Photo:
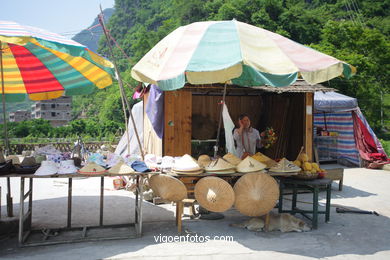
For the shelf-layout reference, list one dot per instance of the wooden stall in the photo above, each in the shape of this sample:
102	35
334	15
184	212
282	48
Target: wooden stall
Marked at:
191	117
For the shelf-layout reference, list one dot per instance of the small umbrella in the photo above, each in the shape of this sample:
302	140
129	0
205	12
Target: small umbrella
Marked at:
41	65
231	51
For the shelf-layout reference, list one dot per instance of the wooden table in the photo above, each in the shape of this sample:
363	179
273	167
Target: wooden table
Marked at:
25	218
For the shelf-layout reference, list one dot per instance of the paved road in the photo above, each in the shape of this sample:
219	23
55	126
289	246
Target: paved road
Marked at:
348	236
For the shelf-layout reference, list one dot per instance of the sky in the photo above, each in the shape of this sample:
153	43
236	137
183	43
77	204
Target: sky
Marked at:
66	17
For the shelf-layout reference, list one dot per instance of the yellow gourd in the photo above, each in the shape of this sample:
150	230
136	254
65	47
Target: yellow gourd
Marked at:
307	166
315	166
297	163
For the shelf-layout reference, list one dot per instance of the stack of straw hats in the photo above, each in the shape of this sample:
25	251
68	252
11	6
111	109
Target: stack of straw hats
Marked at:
92	168
250	165
204	160
214	194
285	165
120	168
264	159
220	166
186	165
255	194
232	159
168	187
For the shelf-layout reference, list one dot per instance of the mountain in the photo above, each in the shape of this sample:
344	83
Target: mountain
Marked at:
90	38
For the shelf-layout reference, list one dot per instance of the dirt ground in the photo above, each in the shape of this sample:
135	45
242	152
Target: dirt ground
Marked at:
347	236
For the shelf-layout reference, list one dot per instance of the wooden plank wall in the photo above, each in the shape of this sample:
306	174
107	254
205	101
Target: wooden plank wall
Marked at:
208	107
177	125
152	143
284	112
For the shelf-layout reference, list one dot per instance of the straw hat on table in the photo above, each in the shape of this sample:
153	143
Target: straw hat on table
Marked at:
250	165
120	168
256	194
186	165
264	159
204	160
232	159
28	161
220	166
214	194
285	165
2	159
14	158
168	187
92	168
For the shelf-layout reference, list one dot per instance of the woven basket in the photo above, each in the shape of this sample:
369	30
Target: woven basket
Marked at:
305	176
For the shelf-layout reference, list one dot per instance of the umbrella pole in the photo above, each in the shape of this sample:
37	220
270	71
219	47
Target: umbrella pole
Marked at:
6	143
120	83
220	122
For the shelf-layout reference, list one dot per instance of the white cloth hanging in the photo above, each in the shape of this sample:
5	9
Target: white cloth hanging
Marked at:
138	114
229	126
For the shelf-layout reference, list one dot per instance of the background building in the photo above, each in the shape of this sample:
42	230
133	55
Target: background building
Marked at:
57	111
19	115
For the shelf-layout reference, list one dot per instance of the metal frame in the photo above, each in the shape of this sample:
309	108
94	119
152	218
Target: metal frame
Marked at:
25	218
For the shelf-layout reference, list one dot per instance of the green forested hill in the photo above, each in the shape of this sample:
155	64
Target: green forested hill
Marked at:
90	38
356	31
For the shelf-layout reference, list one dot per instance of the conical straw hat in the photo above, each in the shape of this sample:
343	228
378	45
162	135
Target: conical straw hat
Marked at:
168	187
197	172
92	168
250	165
14	158
256	194
120	168
219	165
28	161
285	165
204	160
214	194
232	159
264	159
186	163
2	159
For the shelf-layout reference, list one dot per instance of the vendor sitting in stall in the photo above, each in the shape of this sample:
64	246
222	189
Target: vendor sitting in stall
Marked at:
246	137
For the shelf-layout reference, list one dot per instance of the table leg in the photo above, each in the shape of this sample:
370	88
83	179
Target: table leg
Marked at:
101	200
10	207
21	211
136	200
281	188
315	207
70	188
328	197
294	198
30	196
141	195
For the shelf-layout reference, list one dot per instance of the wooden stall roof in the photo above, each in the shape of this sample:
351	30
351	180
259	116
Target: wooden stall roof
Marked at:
300	86
297	86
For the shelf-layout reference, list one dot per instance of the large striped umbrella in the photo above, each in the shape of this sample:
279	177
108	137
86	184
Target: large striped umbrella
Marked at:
236	52
41	65
44	65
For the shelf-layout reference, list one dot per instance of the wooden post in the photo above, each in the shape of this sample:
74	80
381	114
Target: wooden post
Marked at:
308	135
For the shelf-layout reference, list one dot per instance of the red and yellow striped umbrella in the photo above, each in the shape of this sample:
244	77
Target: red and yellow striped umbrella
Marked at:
42	65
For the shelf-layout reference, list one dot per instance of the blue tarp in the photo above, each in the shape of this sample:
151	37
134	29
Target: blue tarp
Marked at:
333	102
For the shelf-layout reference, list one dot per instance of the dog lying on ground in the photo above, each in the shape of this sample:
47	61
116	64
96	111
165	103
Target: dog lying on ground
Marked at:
283	222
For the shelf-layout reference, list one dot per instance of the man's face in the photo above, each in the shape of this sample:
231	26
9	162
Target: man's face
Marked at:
246	122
